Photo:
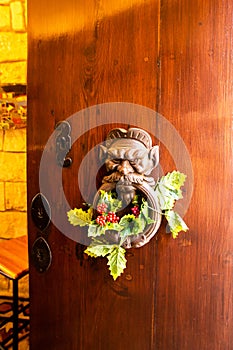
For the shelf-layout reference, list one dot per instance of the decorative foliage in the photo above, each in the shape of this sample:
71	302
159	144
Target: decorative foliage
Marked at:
168	190
175	222
108	232
79	217
114	253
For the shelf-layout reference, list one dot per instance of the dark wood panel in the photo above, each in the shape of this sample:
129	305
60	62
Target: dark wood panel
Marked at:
90	54
194	288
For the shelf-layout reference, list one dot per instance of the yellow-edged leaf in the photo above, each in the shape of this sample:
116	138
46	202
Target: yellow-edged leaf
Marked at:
116	261
99	250
79	217
175	222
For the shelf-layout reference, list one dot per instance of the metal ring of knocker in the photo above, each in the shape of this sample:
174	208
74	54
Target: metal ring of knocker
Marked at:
154	212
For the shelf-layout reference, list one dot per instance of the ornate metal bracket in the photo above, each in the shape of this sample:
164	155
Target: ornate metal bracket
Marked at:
41	216
40	211
130	157
63	144
41	255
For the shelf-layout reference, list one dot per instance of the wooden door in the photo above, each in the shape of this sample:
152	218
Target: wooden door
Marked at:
151	56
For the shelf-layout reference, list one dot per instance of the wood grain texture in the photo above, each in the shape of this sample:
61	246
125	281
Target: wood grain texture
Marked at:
76	304
173	57
194	281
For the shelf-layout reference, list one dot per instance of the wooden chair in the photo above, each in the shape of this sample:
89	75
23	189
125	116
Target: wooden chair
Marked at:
14	266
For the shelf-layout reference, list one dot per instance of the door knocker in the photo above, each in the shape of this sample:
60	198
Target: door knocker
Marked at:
128	207
130	158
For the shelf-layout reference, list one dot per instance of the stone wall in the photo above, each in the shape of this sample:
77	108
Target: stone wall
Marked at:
13	41
13	183
13	200
13	62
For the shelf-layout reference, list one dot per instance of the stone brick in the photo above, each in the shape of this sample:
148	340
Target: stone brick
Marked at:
13	224
15	140
1	139
17	16
16	196
15	72
2	196
13	46
4	2
13	167
5	22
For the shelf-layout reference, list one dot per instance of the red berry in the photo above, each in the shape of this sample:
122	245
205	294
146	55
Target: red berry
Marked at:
135	210
112	217
102	208
101	220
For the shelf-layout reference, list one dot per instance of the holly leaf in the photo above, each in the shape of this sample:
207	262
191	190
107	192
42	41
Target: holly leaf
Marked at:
116	261
113	226
135	199
95	230
144	213
112	202
99	250
175	222
168	189
79	217
150	221
144	209
131	226
176	179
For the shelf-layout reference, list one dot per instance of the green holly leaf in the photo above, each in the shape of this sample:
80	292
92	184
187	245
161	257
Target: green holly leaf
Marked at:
139	225
168	189
135	199
144	214
131	226
176	179
79	217
113	226
144	208
150	221
175	222
126	223
110	199
99	250
95	230
116	261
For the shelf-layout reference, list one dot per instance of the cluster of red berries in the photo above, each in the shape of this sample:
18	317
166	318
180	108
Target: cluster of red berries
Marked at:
102	208
112	217
135	210
105	217
102	219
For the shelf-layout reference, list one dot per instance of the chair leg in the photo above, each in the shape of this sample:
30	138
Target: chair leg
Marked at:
15	314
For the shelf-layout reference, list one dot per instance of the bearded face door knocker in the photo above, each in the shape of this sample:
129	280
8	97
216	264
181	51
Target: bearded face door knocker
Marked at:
130	158
127	208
